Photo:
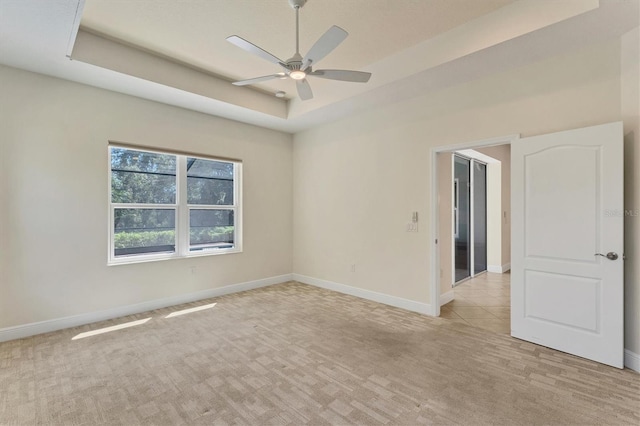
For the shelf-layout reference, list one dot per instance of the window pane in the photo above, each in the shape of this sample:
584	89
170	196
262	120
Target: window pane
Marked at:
209	182
144	231
211	229
142	177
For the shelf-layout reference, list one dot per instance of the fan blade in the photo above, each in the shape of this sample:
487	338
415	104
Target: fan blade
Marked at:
343	75
304	89
258	79
325	44
252	48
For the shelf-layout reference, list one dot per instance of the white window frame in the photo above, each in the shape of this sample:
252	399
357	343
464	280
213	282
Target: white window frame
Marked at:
182	209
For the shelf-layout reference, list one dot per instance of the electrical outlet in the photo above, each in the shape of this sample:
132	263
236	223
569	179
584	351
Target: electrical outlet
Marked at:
193	270
412	227
353	267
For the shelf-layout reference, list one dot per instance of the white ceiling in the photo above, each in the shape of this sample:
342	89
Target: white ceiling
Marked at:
194	32
174	51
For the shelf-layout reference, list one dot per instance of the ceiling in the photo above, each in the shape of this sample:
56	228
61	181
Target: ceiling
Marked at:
194	32
175	52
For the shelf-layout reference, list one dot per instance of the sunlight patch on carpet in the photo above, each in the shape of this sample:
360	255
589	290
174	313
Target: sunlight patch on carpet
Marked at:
190	310
109	329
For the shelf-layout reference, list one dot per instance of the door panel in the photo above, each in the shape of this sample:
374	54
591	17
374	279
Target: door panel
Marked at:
548	206
479	217
579	291
563	295
462	218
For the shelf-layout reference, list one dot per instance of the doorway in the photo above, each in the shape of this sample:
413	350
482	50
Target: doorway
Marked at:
477	291
483	262
558	225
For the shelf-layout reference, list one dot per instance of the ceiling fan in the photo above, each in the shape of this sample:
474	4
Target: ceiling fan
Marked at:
299	68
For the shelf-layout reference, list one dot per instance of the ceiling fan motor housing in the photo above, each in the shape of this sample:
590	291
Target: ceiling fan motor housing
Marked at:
294	63
297	3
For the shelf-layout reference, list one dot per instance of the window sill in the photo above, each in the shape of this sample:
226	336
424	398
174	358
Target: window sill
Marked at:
128	260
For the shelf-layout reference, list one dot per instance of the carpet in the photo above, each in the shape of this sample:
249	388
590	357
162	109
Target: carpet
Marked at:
293	354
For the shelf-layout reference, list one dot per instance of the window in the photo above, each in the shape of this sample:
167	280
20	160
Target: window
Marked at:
165	205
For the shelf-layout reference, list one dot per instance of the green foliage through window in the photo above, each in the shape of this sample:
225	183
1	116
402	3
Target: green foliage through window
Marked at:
142	177
209	182
142	180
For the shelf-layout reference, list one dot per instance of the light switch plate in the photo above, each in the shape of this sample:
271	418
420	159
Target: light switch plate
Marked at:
412	227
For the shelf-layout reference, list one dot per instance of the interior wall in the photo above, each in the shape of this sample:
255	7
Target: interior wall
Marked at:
630	93
445	206
357	180
54	215
4	236
494	215
503	153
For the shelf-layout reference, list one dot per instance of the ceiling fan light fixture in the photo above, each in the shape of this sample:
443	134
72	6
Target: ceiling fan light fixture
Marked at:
298	75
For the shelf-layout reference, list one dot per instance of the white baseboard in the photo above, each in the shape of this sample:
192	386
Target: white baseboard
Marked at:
631	360
446	297
398	302
499	269
26	330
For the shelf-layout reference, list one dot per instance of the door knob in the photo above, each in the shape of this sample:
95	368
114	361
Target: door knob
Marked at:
611	255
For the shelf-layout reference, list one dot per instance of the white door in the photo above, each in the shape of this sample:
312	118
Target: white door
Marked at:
567	205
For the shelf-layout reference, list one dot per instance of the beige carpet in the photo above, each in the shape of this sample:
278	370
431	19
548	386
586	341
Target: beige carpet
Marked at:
292	354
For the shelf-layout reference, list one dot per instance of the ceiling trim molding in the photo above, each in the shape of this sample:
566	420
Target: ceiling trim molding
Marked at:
75	27
124	58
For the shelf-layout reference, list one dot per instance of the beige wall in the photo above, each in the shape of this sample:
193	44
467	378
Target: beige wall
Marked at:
630	93
494	216
503	154
53	222
4	210
357	180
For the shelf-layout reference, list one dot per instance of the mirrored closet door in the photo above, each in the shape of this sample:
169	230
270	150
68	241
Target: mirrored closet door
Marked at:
469	217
